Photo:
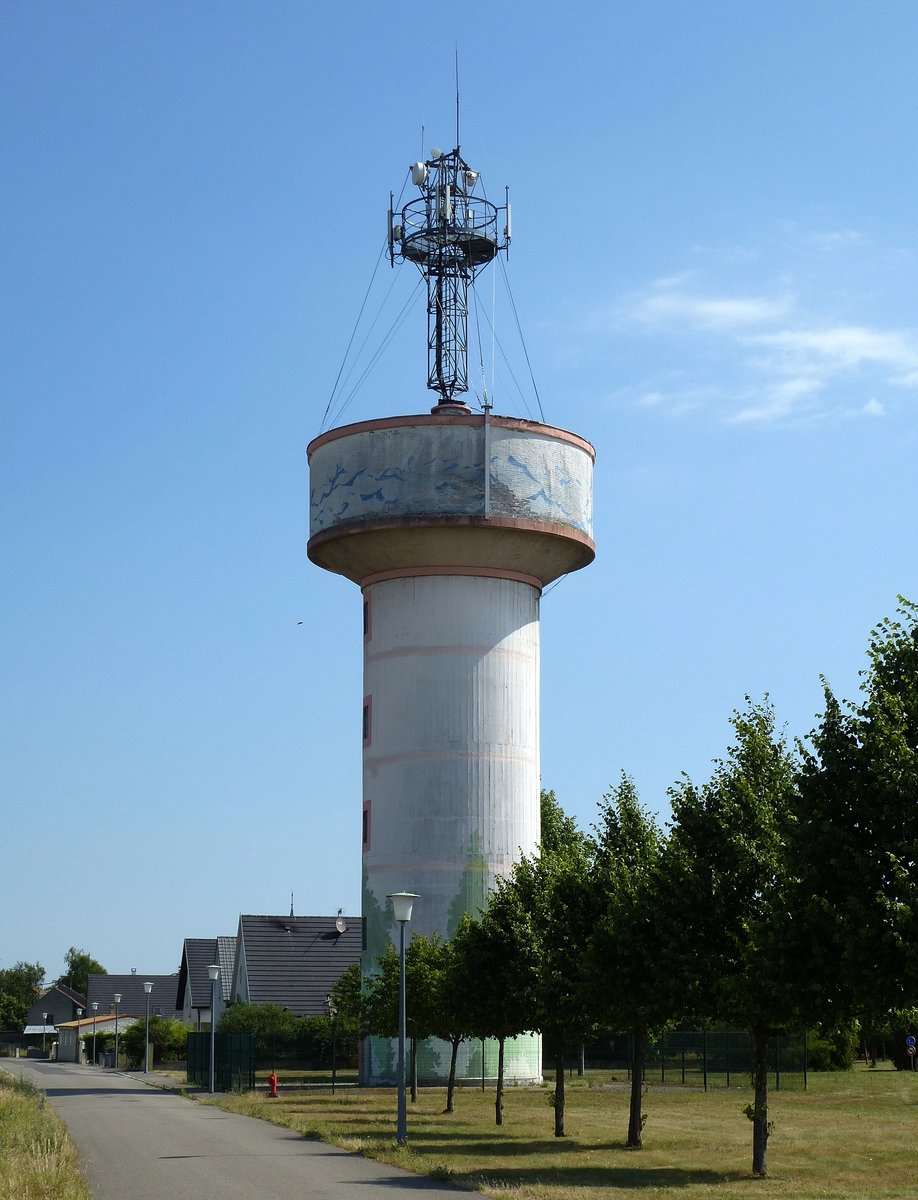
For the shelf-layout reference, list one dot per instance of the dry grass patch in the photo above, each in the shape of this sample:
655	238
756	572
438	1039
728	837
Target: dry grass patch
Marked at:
38	1161
850	1136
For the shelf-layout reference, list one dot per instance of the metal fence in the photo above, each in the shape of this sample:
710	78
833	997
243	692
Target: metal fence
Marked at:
234	1061
712	1058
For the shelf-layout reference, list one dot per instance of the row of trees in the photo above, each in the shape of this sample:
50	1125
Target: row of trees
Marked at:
21	984
783	894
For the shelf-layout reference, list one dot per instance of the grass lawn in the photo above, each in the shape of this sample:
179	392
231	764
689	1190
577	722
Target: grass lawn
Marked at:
38	1161
851	1134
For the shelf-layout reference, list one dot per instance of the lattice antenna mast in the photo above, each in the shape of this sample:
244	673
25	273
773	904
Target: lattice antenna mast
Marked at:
450	233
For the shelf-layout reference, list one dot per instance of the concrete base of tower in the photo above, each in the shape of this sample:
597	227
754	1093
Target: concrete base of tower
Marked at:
476	1061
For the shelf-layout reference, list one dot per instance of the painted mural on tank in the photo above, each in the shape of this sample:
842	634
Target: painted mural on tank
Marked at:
434	469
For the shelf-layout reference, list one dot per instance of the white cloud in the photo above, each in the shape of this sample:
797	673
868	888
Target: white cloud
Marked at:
801	330
667	303
780	400
843	347
909	380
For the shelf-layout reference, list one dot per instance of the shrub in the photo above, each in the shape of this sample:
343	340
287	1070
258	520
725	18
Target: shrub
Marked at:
168	1040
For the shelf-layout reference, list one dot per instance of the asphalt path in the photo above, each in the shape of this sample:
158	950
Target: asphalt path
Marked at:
139	1143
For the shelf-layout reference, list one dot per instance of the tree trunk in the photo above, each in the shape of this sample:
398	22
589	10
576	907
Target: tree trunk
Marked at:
451	1082
581	1061
559	1087
635	1117
760	1104
499	1101
414	1071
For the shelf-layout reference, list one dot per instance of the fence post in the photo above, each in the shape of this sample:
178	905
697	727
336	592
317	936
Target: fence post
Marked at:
683	1064
806	1051
662	1045
777	1062
704	1056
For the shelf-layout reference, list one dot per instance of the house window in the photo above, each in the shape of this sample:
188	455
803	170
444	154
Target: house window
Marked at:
367	619
367	720
366	824
157	1010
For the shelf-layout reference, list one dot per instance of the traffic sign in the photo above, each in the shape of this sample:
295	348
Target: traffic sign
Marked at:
909	1041
913	1050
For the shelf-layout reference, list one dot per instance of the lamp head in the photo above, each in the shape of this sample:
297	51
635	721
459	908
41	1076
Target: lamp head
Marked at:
213	971
117	997
402	904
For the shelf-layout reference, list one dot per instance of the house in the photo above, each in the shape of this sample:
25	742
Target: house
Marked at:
294	961
54	1004
103	988
70	1033
193	991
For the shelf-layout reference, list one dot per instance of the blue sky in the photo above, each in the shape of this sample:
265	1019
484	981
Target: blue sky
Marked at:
713	263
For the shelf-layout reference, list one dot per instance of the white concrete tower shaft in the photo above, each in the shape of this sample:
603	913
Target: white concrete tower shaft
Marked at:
451	523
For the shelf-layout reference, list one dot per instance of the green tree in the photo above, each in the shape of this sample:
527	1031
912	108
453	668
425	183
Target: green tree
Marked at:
19	989
494	963
269	1024
430	1009
347	997
730	868
435	977
80	966
550	906
168	1041
632	976
263	1020
855	849
558	832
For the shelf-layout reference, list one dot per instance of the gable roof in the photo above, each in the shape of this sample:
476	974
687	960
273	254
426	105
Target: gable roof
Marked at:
58	1001
133	998
77	997
197	955
296	961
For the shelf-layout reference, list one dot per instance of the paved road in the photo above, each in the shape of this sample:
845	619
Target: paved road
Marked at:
139	1143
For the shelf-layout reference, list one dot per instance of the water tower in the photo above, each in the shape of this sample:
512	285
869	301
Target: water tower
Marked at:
451	522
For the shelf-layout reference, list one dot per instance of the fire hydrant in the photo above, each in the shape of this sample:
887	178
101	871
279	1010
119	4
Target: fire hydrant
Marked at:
272	1084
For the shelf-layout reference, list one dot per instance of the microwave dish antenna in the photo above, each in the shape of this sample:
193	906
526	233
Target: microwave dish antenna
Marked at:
449	232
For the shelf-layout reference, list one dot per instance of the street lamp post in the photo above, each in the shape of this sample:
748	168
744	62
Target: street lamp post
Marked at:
147	987
95	1009
77	1054
214	972
402	904
44	1026
117	1002
332	1012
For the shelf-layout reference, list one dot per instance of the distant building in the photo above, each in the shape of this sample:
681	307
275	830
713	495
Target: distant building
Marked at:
102	989
193	991
60	1003
294	962
70	1035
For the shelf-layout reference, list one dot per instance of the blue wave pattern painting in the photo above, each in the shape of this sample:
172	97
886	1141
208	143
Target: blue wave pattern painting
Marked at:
540	487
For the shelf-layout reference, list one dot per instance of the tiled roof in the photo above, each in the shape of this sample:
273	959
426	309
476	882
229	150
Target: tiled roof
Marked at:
197	955
226	957
296	961
133	998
